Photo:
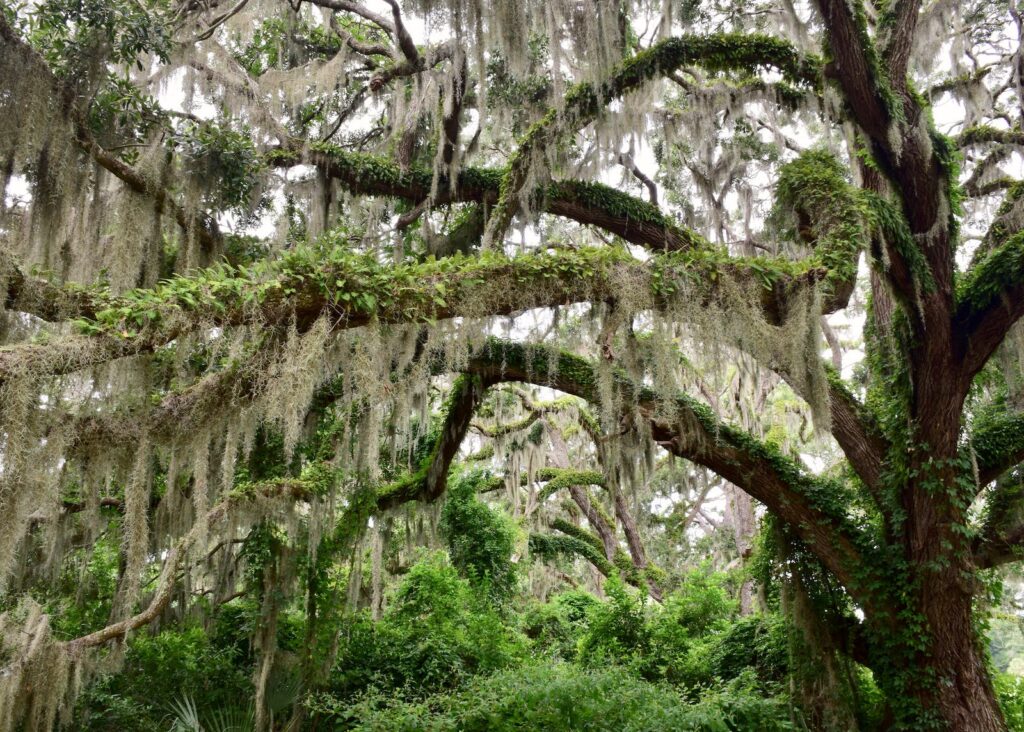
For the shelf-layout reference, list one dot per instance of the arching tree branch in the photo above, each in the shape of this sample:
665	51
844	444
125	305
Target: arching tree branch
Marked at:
758	469
584	102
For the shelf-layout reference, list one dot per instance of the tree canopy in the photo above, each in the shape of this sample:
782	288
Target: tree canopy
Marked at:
278	277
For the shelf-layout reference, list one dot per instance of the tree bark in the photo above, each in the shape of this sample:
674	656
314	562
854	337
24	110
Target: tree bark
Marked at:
962	693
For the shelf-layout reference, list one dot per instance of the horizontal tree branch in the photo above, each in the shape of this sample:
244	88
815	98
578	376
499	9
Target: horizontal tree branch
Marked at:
354	290
631	218
982	134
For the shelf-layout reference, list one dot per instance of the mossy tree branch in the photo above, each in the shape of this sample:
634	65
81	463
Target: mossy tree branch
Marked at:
815	511
998	443
585	102
285	489
983	134
66	106
352	291
990	300
595	204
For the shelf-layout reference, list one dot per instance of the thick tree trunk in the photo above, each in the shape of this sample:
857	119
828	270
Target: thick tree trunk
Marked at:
945	683
962	692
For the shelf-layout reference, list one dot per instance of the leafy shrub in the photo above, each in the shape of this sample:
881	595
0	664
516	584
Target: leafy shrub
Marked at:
683	632
437	633
617	629
1010	690
556	627
158	670
562	697
757	642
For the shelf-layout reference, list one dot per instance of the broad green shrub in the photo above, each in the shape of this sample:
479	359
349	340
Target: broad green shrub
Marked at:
617	631
158	670
683	633
562	697
1010	690
437	633
557	626
756	641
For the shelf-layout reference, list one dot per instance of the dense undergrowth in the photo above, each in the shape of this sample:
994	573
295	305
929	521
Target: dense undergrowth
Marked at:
453	650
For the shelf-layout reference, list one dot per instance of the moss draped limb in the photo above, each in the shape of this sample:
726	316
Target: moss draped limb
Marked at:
585	101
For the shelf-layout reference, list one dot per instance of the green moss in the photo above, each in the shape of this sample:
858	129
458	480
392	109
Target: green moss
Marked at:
550	546
984	285
560	479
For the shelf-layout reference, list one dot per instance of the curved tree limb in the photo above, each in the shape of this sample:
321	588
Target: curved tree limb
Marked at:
695	434
584	102
284	488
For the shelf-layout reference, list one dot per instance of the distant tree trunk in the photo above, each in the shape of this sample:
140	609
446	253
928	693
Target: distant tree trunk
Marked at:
739	516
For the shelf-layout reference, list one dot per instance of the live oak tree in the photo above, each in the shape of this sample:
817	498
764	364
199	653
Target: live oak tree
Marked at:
235	229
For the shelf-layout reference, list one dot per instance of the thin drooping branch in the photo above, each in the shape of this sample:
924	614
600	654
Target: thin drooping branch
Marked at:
430	481
293	490
197	223
626	160
858	435
402	36
358	9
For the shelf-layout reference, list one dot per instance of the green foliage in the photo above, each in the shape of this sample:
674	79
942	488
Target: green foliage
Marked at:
480	539
72	33
157	670
216	152
755	641
556	627
437	633
286	43
617	629
121	116
81	602
561	697
1010	691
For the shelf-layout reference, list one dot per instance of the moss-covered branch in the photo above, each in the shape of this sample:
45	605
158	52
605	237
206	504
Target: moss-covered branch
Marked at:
586	101
815	507
997	442
253	498
990	299
352	290
595	204
982	134
551	546
428	483
42	298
